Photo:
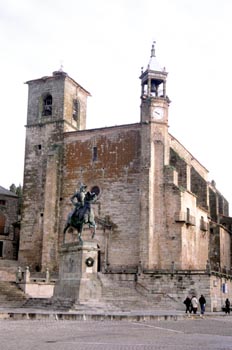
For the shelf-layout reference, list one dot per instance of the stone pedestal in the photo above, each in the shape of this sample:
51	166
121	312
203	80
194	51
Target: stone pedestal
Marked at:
78	280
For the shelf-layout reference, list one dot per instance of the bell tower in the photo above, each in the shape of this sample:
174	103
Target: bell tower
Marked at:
56	105
154	100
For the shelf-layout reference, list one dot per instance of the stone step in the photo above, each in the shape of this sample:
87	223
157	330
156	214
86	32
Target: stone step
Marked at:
117	294
49	303
116	290
11	295
8	270
37	303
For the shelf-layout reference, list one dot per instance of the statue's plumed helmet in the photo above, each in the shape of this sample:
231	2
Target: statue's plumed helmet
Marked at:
82	187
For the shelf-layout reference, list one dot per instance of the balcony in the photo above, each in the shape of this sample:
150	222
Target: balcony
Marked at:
185	218
191	220
180	216
204	225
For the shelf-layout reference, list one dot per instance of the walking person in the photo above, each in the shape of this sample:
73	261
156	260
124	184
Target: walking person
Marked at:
202	303
194	302
188	305
227	306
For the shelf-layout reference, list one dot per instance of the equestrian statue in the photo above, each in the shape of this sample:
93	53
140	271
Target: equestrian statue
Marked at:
82	213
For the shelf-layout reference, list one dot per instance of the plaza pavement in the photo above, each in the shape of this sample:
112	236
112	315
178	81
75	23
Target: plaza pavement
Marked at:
44	330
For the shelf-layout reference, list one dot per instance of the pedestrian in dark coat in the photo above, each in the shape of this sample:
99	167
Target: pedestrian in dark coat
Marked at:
227	306
188	305
202	303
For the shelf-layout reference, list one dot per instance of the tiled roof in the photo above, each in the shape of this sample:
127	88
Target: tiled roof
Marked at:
6	192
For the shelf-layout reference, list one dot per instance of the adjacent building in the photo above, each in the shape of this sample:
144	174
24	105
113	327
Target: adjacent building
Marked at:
9	224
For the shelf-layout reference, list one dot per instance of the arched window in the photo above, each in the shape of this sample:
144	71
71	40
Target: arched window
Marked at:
47	105
75	109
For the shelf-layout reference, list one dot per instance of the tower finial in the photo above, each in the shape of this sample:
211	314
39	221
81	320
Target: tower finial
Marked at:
61	66
153	49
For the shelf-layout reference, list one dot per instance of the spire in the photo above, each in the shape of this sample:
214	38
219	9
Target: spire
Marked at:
153	49
153	63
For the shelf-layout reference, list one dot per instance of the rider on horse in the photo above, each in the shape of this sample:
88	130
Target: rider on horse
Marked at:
78	199
82	213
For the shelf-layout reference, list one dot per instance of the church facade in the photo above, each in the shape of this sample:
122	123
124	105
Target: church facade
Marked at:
158	217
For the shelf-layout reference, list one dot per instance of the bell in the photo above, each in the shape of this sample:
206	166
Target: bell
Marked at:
153	88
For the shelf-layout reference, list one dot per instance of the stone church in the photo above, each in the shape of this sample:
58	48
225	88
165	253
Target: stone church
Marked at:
160	223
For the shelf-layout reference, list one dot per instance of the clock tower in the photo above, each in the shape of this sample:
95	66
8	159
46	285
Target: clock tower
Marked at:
154	101
154	157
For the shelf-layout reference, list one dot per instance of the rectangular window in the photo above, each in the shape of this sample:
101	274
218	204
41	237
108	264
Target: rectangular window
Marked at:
94	154
2	202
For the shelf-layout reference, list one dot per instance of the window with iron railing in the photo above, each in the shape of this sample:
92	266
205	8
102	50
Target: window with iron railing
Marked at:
185	217
203	224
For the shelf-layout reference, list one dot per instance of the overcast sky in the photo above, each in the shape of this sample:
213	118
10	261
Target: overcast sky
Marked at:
102	44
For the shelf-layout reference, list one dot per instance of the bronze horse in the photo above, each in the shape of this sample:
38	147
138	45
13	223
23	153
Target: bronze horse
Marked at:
82	215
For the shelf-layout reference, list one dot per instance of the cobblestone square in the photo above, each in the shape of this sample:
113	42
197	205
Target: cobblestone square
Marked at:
190	334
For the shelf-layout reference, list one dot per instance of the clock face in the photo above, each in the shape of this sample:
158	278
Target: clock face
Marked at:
158	113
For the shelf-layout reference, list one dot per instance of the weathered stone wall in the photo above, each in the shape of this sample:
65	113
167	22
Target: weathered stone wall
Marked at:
116	171
225	249
171	240
178	285
42	144
71	92
186	239
195	241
